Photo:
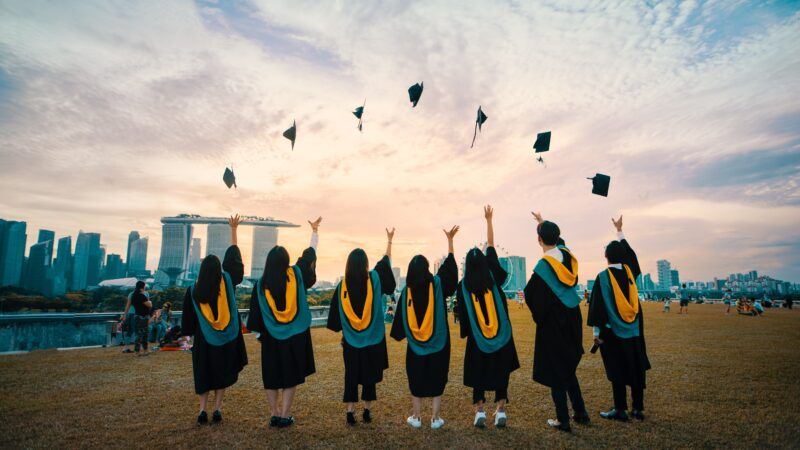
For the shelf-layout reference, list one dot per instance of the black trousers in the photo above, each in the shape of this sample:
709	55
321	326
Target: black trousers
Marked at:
575	397
368	392
479	395
621	397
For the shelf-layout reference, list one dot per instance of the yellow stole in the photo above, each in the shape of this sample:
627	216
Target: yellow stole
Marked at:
223	313
357	323
424	331
564	275
489	330
290	310
628	308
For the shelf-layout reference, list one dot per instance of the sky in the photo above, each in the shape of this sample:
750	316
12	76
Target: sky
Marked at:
114	114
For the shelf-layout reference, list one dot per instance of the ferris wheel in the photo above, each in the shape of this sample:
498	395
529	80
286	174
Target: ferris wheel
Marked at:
501	253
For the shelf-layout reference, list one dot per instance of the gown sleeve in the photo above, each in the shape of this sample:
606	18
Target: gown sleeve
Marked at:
232	263
188	317
398	332
384	269
536	300
254	322
463	318
307	263
598	315
630	259
334	321
448	274
497	270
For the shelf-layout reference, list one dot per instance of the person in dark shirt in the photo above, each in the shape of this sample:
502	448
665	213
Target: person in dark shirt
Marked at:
141	306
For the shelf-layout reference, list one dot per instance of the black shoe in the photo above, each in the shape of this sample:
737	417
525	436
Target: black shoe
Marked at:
636	414
613	414
274	421
582	419
366	416
285	422
202	419
216	417
351	419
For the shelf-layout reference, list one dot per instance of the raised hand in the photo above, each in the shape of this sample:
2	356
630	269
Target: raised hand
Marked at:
617	223
538	217
450	234
488	211
315	224
234	221
390	234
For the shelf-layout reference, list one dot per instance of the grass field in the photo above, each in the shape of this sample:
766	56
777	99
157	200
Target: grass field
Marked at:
717	381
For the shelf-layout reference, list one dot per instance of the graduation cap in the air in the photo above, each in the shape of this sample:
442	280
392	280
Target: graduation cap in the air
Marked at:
600	184
359	111
478	122
291	133
414	93
542	143
229	178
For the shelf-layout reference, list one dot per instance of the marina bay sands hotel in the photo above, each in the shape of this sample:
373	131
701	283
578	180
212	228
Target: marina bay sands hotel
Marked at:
180	250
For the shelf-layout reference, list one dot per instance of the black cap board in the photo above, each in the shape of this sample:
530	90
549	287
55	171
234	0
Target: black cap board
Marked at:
414	93
291	133
600	184
229	178
542	143
358	112
478	122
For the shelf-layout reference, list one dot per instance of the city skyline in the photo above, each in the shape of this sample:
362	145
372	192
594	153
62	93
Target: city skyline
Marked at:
113	116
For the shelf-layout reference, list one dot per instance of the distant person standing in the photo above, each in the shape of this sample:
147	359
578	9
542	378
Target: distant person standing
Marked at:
684	300
730	302
667	302
141	307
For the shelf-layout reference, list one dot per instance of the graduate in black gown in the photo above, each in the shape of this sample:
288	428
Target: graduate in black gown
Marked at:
357	310
491	355
554	303
616	315
210	315
421	318
280	315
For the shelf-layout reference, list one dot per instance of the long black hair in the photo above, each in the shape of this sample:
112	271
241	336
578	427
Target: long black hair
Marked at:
274	277
418	277
477	277
356	274
206	288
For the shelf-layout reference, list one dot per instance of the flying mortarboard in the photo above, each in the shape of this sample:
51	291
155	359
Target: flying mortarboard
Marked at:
414	93
478	122
229	178
542	143
359	111
291	133
600	184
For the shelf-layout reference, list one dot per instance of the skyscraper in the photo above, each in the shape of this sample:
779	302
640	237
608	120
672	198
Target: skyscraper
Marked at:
12	251
218	239
137	264
674	278
664	274
86	264
62	266
648	284
44	236
173	262
264	239
35	277
114	267
133	236
194	259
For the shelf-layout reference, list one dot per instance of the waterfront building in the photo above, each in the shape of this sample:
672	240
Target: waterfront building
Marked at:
12	251
264	239
218	239
36	270
86	263
195	259
44	236
664	274
114	267
173	262
133	236
675	279
137	262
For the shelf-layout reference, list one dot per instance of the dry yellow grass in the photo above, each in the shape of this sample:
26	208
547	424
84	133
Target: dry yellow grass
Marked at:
718	381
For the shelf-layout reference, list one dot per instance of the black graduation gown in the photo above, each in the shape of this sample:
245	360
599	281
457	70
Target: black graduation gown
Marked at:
215	367
368	363
558	347
285	363
625	360
427	374
486	371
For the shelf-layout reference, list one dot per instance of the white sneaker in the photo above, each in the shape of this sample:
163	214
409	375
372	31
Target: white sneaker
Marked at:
553	423
436	424
480	419
415	422
500	419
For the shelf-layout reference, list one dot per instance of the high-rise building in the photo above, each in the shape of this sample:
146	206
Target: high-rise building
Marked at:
674	278
194	259
86	263
264	239
173	264
133	236
753	275
35	277
218	239
44	236
114	267
396	273
62	266
647	283
664	274
12	251
137	264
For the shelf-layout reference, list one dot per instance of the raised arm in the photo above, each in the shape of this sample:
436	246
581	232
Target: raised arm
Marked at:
234	222
389	237
487	212
450	235
630	256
